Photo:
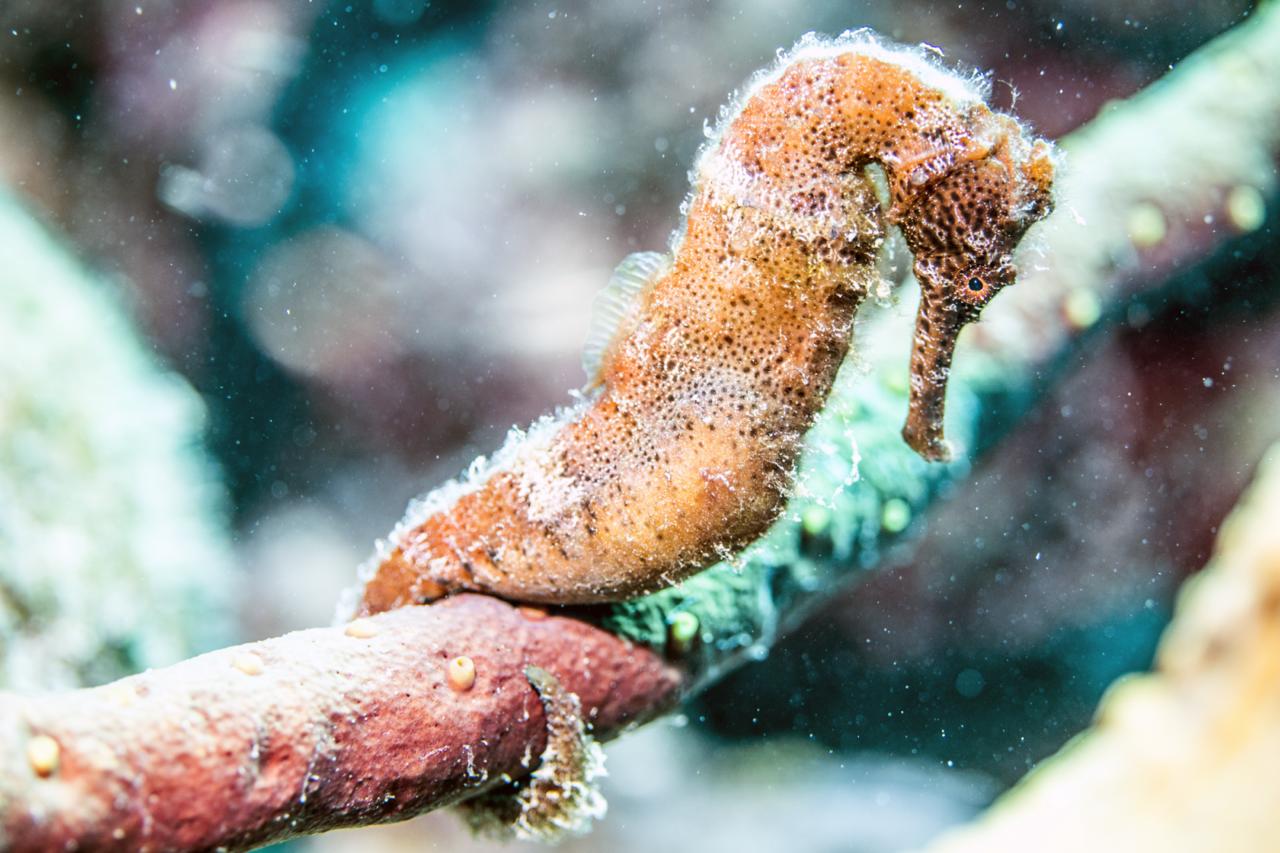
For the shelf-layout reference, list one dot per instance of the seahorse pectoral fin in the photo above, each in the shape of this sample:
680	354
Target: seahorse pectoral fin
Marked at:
938	325
615	304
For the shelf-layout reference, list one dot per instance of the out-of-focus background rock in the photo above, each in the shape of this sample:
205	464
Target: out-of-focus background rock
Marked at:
1178	759
368	233
112	555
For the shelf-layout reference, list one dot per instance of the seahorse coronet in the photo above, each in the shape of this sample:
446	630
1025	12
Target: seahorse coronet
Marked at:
681	448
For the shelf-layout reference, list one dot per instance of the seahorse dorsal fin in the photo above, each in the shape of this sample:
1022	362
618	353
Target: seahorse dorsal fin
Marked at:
615	304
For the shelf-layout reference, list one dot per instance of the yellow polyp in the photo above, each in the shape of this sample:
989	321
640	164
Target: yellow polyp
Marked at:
361	629
44	755
533	614
896	515
684	629
1082	308
1146	225
815	520
249	663
461	674
1246	208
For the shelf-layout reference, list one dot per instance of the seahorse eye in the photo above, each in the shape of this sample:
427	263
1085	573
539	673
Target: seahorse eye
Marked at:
976	285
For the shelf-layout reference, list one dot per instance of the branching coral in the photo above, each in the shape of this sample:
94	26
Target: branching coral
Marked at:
320	729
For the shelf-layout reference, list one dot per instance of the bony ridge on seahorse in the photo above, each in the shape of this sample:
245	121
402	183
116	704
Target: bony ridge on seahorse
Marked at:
708	366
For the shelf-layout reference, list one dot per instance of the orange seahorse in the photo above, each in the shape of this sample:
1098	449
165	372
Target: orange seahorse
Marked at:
719	356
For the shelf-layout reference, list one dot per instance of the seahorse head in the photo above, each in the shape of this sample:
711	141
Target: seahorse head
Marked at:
962	228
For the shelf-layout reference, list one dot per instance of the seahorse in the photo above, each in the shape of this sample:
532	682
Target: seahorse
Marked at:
712	361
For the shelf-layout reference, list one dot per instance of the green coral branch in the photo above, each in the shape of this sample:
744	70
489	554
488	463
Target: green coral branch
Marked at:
1149	185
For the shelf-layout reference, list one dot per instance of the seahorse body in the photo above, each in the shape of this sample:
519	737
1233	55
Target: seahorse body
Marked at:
684	449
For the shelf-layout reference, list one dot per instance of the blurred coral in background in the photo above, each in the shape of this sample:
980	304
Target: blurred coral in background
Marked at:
111	557
367	234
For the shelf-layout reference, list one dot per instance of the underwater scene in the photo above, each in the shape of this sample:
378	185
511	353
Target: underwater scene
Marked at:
709	426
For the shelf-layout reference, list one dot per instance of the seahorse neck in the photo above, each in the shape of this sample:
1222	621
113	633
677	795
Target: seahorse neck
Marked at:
795	140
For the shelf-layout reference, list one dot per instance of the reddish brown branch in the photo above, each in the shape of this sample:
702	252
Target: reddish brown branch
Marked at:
311	731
